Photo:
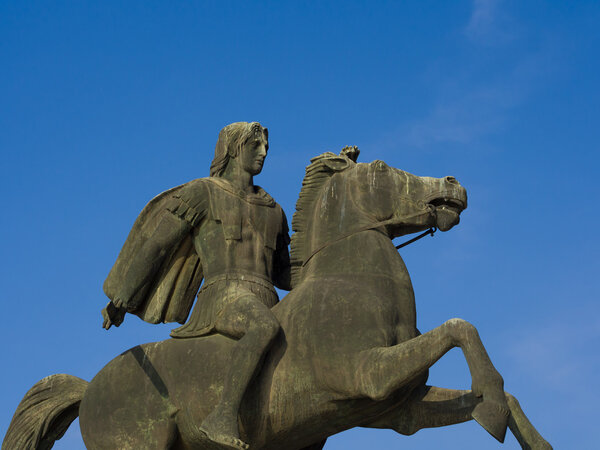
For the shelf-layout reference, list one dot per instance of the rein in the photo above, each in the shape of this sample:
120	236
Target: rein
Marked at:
395	221
431	232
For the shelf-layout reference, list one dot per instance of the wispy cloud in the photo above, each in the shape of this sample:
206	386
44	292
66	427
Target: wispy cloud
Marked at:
470	111
473	101
462	119
489	25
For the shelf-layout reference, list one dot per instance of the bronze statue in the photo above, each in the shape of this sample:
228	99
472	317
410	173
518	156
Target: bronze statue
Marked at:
343	347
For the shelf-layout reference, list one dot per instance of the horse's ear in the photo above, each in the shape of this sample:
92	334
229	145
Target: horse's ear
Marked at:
351	152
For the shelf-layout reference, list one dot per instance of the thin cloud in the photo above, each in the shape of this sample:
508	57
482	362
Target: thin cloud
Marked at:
489	24
469	109
468	113
462	120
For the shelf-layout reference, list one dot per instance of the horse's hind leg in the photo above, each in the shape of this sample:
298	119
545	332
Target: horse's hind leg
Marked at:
377	373
431	407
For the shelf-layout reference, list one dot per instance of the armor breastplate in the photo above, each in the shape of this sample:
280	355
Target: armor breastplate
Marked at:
239	234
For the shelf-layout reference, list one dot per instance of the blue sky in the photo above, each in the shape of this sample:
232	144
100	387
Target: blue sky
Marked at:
106	104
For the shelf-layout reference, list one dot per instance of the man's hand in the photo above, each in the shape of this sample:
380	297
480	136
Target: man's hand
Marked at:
112	315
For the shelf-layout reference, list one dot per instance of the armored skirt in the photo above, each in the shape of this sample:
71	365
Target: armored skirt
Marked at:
217	293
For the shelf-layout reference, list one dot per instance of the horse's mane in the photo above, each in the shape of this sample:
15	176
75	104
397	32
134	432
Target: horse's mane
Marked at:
318	172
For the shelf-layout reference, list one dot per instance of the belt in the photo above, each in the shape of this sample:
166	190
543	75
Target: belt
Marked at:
239	276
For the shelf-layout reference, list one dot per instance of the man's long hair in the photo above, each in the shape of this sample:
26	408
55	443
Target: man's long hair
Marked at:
231	140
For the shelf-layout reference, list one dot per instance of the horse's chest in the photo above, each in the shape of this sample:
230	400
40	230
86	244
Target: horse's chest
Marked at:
355	313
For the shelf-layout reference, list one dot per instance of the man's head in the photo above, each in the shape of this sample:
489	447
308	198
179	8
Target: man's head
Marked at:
245	142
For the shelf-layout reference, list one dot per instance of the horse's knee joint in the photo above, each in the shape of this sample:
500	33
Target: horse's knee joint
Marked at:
407	428
460	328
460	323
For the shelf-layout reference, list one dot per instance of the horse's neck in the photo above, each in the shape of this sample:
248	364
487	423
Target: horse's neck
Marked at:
367	252
339	241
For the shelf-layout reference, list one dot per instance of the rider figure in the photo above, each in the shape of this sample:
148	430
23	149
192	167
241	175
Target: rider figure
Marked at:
239	245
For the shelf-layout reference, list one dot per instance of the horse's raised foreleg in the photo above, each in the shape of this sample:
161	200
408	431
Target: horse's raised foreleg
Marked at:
432	406
380	372
522	428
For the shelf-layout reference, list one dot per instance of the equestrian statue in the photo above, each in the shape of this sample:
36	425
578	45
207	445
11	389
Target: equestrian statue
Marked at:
247	371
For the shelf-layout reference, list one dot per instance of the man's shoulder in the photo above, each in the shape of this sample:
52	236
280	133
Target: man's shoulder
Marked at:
266	197
221	186
198	183
187	189
194	189
189	201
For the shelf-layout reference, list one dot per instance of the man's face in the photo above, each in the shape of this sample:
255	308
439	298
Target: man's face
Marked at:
253	154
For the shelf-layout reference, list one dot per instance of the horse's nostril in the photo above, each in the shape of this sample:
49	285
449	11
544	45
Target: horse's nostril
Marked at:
451	180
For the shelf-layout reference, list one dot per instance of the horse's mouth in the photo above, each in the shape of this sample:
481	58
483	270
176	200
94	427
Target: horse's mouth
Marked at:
447	211
453	204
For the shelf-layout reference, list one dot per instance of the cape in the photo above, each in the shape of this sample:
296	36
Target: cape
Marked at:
170	293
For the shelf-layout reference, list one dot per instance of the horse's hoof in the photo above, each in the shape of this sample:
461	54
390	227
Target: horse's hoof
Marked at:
493	417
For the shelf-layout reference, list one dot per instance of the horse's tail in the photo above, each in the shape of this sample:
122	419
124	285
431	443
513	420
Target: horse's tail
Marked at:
45	413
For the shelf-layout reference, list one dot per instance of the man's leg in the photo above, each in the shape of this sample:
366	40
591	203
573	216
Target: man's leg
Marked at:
256	327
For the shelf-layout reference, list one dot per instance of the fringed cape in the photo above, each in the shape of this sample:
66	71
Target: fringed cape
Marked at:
170	293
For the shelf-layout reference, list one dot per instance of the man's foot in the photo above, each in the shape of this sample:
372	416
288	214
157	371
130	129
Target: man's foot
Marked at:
221	429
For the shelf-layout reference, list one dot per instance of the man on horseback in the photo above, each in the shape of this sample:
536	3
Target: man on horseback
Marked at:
229	232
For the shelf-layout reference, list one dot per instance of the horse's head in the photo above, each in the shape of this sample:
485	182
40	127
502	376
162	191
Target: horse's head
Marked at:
341	198
407	202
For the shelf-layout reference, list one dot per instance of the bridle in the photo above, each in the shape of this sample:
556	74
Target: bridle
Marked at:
375	226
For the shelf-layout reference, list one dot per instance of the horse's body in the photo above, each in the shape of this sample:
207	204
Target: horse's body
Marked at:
296	401
349	353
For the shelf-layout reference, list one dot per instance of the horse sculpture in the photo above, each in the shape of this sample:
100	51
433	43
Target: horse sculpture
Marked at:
349	353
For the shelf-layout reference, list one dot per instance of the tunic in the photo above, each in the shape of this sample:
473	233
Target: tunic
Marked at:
239	239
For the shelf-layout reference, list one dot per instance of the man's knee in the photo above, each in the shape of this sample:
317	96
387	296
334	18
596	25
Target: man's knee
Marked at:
267	327
260	320
251	321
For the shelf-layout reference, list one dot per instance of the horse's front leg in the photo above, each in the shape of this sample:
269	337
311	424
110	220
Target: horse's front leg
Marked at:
379	372
431	406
